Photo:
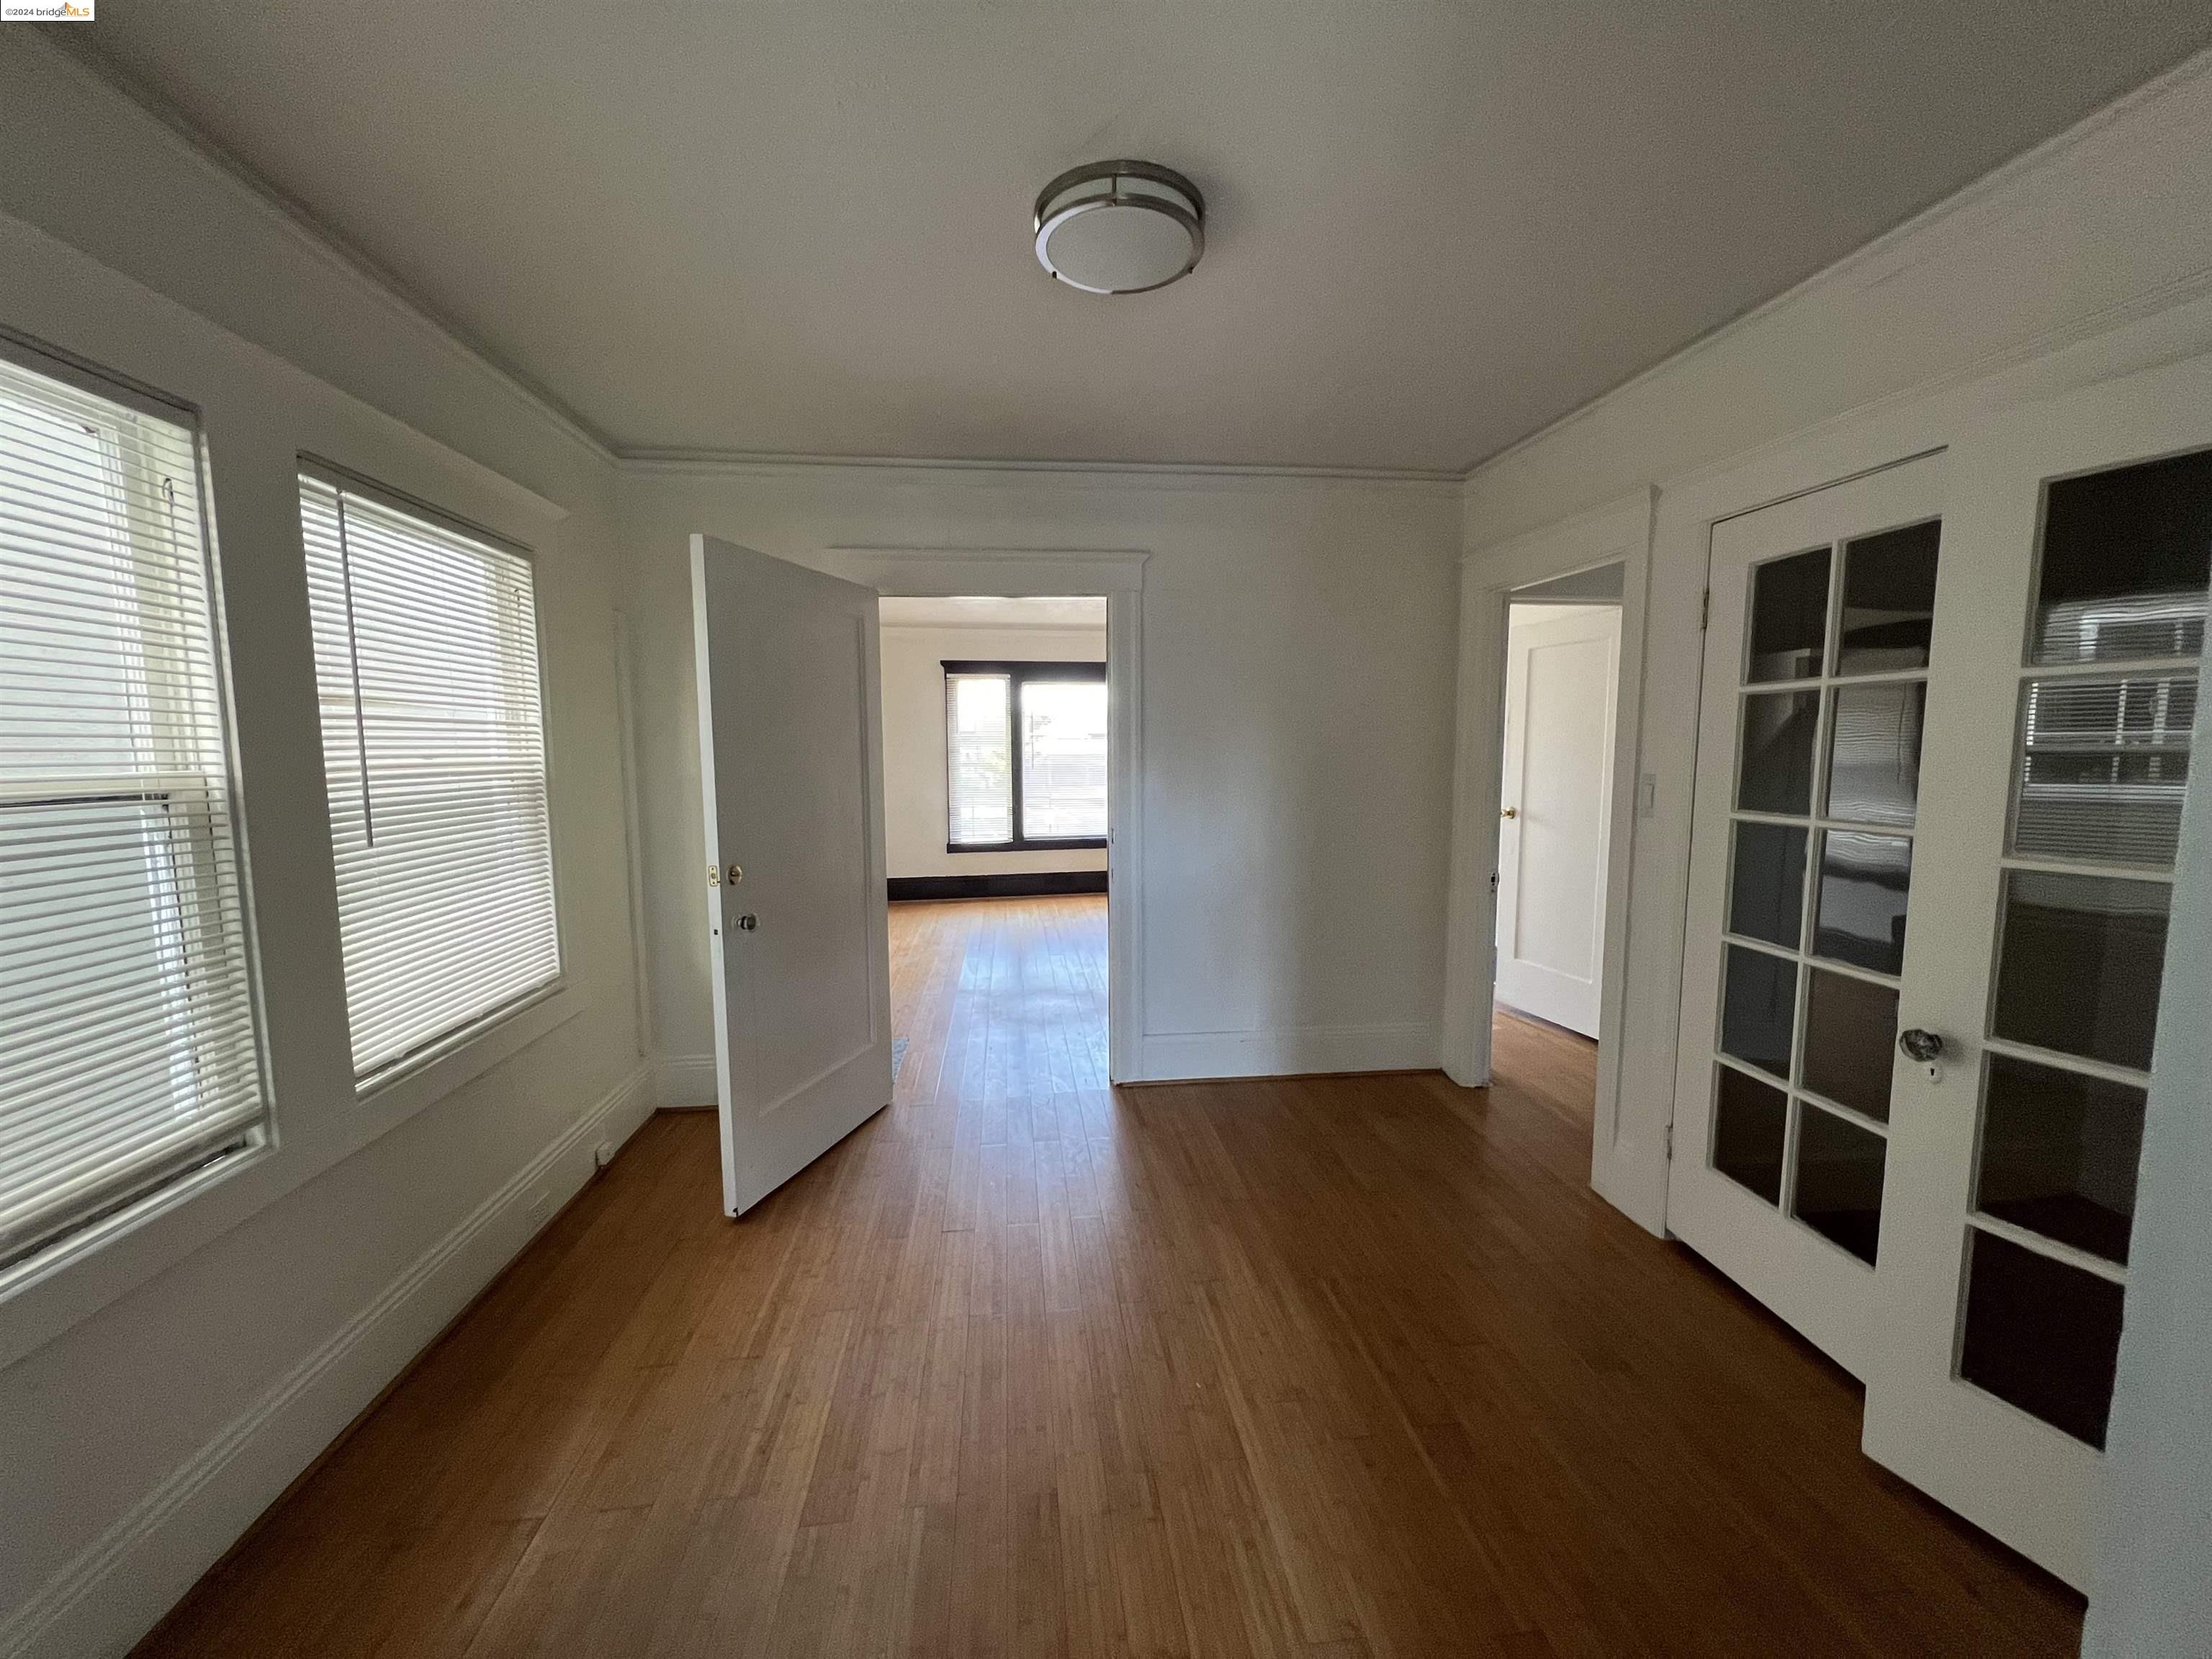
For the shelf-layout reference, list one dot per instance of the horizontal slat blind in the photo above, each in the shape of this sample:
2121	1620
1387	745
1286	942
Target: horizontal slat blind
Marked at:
979	759
426	663
127	1045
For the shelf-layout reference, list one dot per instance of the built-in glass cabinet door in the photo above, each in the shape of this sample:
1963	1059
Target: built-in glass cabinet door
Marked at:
2055	756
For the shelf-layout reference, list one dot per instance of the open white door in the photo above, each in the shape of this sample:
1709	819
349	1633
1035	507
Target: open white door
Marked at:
790	766
1560	675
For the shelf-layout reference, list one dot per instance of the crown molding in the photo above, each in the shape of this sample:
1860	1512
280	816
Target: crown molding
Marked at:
710	463
160	115
1987	197
1954	214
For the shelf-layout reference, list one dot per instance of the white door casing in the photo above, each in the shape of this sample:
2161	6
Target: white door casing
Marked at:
1819	1287
1561	675
1628	1146
1118	574
791	775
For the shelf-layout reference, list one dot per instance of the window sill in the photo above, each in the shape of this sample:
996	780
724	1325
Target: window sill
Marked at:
1031	844
408	1085
47	1294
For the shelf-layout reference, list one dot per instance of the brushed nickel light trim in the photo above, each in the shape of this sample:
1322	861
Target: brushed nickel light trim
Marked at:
1145	186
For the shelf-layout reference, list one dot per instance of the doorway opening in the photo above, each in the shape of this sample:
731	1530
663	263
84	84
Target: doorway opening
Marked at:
1555	802
997	769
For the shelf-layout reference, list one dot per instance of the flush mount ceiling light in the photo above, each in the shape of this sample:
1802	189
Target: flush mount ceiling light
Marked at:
1120	227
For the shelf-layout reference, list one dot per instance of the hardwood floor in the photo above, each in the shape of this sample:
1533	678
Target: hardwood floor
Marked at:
1326	1366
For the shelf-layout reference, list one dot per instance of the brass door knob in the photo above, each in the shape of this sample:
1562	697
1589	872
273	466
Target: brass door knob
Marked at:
1510	812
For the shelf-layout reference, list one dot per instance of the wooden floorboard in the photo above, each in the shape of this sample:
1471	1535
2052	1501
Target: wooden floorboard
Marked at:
1326	1366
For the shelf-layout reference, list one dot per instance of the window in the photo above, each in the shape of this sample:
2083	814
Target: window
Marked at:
128	1055
426	665
1025	754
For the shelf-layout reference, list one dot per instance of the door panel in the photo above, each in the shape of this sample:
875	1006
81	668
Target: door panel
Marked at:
1557	774
1804	824
791	774
2057	740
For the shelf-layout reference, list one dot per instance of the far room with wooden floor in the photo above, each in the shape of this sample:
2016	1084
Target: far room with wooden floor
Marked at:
1261	828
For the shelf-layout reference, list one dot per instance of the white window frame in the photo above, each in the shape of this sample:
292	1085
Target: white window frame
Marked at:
132	1211
443	1063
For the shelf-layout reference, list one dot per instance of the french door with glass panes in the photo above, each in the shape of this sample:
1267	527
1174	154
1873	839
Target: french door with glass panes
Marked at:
2069	623
1803	877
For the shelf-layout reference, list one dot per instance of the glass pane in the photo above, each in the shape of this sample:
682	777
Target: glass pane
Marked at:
1766	888
1789	616
1063	759
2079	962
2058	1154
1747	1122
1889	599
1758	1009
1850	1031
1776	758
1839	1188
2125	556
1865	883
1873	752
2104	766
979	761
2041	1334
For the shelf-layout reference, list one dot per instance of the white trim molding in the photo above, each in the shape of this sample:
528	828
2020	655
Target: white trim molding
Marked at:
1054	573
1290	1051
113	1590
683	1083
1618	532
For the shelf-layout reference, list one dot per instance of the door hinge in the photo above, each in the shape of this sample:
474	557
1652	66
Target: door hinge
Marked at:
1670	1143
1705	609
1493	884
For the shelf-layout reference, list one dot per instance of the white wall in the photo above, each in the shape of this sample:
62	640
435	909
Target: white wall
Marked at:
155	1397
914	813
1298	656
2088	256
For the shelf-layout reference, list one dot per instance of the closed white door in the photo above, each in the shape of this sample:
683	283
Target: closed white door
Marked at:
2068	640
1806	819
1561	669
791	774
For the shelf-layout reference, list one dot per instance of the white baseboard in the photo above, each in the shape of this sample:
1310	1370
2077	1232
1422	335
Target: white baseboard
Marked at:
113	1592
684	1080
1410	1045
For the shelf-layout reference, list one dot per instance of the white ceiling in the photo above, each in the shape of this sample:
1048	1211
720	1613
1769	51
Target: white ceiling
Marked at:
994	613
803	229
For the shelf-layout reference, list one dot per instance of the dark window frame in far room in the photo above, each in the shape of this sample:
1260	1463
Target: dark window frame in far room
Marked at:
1016	675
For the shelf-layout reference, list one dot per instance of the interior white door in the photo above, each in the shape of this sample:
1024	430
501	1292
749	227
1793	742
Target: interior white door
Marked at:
2069	631
1802	868
1560	674
791	771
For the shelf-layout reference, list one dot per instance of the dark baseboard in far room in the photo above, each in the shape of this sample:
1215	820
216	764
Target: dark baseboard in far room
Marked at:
1028	885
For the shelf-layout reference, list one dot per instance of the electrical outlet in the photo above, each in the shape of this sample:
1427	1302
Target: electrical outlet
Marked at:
603	1154
541	1206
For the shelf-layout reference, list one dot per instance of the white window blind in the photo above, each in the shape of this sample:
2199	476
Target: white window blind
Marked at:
979	749
426	662
128	1055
